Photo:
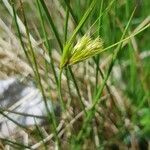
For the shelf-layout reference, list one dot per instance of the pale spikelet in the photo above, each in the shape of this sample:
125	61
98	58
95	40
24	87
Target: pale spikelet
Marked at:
85	48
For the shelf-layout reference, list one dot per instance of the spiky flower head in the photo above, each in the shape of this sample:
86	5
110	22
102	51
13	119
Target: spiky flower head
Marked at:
85	48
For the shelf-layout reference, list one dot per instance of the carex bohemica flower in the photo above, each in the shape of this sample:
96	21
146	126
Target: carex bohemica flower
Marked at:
85	48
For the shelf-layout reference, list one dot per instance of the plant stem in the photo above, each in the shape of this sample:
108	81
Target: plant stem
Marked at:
60	93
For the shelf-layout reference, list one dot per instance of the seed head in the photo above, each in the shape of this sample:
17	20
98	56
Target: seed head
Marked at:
85	48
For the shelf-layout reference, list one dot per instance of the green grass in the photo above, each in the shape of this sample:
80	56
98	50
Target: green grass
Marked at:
104	99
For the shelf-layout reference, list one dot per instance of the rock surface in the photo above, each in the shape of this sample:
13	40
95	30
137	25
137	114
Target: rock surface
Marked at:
19	97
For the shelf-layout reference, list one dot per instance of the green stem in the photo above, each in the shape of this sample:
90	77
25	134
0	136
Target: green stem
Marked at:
65	39
60	91
99	33
47	41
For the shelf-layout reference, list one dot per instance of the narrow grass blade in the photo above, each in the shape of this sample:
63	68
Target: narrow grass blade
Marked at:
51	24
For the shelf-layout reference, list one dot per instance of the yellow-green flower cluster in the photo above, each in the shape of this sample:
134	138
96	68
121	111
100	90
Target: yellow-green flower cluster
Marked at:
85	48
